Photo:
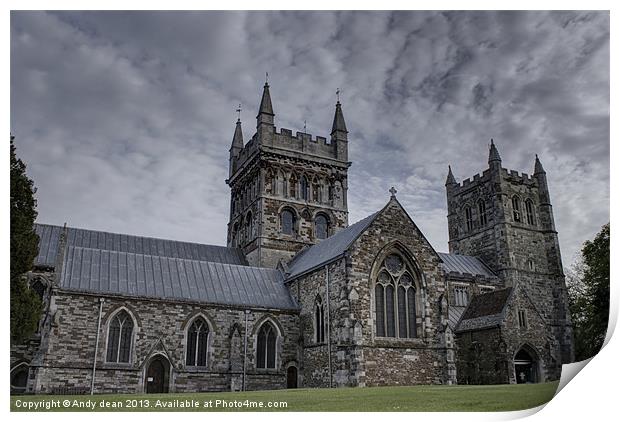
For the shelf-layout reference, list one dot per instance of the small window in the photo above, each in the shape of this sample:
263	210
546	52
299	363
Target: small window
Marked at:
469	221
197	343
461	296
529	212
530	265
319	321
516	209
482	213
321	226
522	319
287	222
266	347
120	335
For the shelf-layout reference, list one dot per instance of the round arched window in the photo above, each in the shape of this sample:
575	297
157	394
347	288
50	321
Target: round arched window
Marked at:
287	221
321	226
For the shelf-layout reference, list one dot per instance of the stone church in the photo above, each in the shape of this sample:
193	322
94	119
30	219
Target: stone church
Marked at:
300	298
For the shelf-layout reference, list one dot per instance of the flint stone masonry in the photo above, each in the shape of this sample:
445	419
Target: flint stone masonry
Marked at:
160	327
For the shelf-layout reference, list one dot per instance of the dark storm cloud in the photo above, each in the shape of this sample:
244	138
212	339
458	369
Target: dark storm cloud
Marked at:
125	118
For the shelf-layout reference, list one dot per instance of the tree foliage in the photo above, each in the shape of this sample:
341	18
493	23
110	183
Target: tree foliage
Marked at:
588	288
25	304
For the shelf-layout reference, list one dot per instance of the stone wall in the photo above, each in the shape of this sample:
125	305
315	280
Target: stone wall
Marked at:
519	251
359	358
160	328
486	356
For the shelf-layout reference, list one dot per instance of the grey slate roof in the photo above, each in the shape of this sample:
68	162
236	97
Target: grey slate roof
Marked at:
328	249
485	310
165	277
464	264
49	236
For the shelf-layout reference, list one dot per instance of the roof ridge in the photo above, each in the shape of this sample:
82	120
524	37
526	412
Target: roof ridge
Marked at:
137	235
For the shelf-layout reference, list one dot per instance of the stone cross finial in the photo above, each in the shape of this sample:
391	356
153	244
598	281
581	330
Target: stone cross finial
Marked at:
393	191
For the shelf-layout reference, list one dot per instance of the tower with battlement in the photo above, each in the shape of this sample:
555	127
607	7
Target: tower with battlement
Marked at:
287	190
506	219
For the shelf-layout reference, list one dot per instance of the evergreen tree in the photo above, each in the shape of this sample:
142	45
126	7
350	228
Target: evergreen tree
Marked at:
25	304
588	286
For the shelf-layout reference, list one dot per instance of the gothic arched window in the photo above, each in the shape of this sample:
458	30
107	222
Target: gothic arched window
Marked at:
482	213
292	186
319	321
469	220
120	335
303	188
395	299
197	343
516	208
266	346
248	226
529	212
321	226
287	221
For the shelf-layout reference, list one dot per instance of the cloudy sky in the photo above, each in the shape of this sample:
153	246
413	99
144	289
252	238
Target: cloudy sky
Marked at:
125	119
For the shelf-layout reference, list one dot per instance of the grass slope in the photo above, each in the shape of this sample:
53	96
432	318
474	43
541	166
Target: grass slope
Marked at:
412	398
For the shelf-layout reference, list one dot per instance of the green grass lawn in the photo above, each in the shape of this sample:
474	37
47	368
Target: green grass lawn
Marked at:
414	398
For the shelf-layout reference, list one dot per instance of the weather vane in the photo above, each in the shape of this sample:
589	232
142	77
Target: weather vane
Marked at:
304	127
338	94
266	77
238	110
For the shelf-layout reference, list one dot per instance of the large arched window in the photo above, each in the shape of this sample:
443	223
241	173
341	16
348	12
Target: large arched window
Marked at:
469	220
321	226
266	346
197	343
287	221
529	212
482	213
395	299
319	321
303	188
516	208
120	335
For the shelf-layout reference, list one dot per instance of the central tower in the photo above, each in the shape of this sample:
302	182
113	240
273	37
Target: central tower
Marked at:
286	191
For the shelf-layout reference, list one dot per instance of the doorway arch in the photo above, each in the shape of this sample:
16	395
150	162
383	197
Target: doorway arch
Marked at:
291	377
526	366
157	375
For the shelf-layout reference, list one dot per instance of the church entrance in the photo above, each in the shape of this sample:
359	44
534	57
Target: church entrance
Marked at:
157	375
291	377
526	370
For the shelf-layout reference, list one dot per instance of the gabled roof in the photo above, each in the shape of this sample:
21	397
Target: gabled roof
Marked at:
328	249
485	310
465	264
125	273
49	239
